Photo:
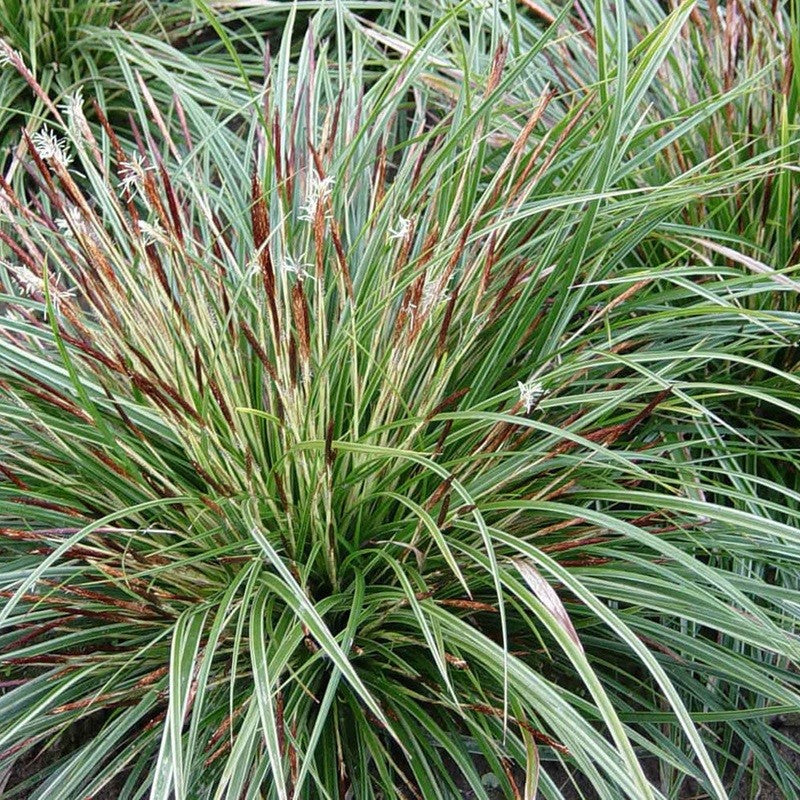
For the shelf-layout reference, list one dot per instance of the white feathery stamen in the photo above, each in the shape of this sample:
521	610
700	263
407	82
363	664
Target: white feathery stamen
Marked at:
9	56
530	393
297	267
402	230
49	147
317	193
131	173
31	284
432	295
72	223
73	105
151	232
28	280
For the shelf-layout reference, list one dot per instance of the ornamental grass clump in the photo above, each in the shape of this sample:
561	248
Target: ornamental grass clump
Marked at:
395	448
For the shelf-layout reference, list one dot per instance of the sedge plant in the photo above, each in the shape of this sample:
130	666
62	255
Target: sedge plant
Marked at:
400	443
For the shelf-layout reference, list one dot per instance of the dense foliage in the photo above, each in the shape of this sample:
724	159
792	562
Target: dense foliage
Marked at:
394	393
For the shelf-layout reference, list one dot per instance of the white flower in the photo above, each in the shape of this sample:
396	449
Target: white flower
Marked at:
73	104
57	296
73	108
31	284
317	193
297	267
432	295
131	173
402	229
530	394
151	232
8	55
49	147
72	222
28	280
